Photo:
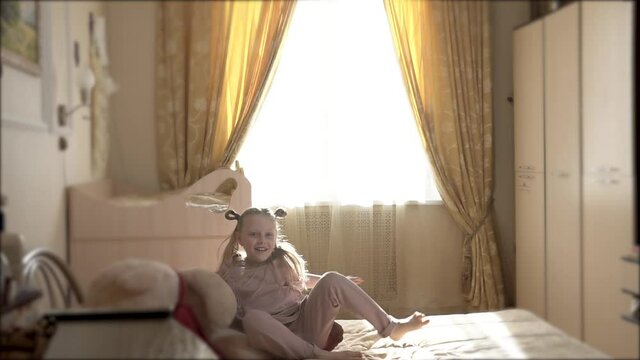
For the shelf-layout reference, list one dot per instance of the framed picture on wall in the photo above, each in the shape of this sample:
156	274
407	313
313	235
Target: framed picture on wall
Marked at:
28	87
20	32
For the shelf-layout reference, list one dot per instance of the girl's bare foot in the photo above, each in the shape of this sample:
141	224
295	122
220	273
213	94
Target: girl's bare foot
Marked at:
324	354
413	322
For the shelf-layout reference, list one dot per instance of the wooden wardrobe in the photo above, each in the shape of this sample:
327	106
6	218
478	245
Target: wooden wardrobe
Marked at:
574	148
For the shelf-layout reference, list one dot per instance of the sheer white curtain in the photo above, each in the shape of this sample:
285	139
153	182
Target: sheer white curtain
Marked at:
335	135
336	125
350	239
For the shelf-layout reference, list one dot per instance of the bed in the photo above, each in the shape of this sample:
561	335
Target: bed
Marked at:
504	334
110	222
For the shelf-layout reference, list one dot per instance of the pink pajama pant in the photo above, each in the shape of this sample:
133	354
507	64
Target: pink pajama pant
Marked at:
310	331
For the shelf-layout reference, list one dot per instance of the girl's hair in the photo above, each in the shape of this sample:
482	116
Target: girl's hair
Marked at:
283	249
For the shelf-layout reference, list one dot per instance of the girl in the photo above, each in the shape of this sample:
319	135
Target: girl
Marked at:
270	283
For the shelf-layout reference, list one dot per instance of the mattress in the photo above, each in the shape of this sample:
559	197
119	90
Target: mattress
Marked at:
511	333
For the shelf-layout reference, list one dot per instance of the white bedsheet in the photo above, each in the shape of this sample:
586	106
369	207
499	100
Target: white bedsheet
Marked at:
512	334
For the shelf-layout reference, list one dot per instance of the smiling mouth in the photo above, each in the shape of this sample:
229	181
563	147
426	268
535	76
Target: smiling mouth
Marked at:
261	249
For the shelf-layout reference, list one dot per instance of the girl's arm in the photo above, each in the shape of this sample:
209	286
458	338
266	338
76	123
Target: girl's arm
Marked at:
312	279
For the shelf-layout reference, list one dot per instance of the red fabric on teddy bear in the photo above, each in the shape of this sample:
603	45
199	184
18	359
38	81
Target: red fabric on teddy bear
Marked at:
184	314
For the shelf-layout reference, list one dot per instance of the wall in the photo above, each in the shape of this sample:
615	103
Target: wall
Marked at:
78	156
35	172
505	15
132	46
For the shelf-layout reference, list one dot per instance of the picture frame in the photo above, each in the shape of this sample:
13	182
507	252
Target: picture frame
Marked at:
20	33
28	86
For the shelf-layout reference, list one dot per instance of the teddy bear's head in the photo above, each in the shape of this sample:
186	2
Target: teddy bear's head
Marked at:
138	283
134	284
147	284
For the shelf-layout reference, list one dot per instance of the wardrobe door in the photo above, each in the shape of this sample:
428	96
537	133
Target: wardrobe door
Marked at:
607	72
530	269
608	190
562	164
608	229
529	164
528	98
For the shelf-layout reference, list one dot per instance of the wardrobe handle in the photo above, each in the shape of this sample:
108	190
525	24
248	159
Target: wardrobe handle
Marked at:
607	181
526	167
606	169
526	176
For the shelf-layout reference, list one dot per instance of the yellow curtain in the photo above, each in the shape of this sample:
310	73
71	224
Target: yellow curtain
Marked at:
444	51
214	61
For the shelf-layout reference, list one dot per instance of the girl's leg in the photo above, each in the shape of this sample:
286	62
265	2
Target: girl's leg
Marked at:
329	294
268	334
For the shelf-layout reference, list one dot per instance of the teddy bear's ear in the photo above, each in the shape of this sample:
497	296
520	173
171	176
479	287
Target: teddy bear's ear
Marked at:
145	275
217	299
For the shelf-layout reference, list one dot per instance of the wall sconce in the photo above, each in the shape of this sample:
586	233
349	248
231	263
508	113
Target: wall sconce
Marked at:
86	85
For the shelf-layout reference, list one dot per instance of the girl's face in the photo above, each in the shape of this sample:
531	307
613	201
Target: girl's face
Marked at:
258	237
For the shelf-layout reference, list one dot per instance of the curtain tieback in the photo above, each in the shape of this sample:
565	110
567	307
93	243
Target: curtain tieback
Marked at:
466	248
479	225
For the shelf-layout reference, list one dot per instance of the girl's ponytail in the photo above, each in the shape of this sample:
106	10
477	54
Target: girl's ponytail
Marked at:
280	213
231	215
286	251
231	249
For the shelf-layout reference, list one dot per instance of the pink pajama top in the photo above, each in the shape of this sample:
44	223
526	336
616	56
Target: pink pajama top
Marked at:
267	286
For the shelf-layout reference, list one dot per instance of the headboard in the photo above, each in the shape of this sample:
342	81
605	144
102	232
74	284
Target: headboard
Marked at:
105	226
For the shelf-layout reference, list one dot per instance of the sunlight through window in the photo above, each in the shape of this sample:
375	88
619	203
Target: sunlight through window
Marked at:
336	124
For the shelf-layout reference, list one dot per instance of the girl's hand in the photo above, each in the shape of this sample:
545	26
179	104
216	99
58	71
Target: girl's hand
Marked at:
356	279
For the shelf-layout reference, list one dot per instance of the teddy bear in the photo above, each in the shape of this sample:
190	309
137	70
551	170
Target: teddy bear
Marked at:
201	300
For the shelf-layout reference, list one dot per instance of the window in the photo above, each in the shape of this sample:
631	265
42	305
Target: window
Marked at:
336	124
